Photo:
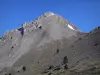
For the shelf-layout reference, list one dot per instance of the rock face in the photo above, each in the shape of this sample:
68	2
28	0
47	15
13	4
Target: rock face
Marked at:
45	42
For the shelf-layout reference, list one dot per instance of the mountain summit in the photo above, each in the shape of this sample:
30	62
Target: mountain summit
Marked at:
45	45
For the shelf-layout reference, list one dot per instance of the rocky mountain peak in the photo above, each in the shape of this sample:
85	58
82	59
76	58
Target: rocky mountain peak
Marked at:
47	44
46	28
47	14
44	21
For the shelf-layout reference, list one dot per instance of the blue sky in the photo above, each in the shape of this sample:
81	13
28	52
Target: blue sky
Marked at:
85	14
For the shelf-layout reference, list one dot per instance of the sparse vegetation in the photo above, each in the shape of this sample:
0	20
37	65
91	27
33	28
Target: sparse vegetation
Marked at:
57	51
65	66
9	74
24	68
65	60
91	68
12	47
11	37
44	53
96	44
17	71
51	67
80	39
40	27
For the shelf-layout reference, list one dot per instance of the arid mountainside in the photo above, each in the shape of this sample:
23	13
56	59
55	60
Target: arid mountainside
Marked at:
50	45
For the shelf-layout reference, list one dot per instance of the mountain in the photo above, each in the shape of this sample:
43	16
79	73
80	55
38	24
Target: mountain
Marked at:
49	45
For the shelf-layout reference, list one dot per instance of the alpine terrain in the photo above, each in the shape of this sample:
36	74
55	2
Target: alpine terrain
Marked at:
50	45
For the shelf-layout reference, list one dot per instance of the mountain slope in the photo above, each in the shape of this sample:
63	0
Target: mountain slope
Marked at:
47	45
46	28
79	54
